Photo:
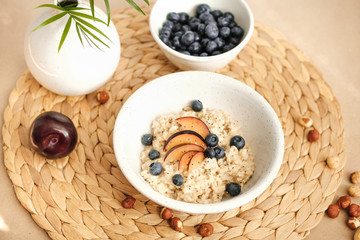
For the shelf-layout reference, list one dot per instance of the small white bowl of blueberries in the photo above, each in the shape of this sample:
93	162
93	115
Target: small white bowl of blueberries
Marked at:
201	34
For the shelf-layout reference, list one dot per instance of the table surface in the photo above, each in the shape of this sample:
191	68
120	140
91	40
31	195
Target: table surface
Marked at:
328	31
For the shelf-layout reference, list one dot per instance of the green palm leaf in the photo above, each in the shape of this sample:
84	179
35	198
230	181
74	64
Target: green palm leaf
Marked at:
50	6
84	15
50	20
90	26
134	5
107	10
92	6
66	31
93	35
78	32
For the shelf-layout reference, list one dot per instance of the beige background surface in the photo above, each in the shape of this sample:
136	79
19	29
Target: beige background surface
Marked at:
328	31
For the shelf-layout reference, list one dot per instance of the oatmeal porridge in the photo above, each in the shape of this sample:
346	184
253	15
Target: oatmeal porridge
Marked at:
196	155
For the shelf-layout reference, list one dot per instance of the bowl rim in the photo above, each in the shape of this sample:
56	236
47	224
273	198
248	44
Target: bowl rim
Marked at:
197	208
234	50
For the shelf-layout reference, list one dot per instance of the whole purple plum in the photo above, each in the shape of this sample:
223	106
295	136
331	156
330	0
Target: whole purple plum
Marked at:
53	135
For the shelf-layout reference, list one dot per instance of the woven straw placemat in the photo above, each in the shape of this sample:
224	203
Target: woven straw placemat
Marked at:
79	196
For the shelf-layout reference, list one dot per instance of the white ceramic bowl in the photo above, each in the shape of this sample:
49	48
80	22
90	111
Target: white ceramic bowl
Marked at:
240	10
169	94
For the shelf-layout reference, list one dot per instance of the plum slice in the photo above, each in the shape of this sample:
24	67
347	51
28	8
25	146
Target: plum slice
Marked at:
195	124
176	152
53	135
185	159
183	137
196	161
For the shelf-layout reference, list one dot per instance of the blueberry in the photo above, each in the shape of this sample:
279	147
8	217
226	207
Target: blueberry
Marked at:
211	31
185	52
147	139
211	46
223	21
177	27
194	22
211	140
202	8
206	17
237	141
165	39
186	28
169	25
229	16
176	42
216	13
188	38
155	168
172	16
233	189
204	54
209	153
220	42
237	32
201	28
183	17
197	37
197	105
234	40
217	52
232	24
219	152
224	32
165	31
204	42
179	33
154	154
178	180
228	47
195	47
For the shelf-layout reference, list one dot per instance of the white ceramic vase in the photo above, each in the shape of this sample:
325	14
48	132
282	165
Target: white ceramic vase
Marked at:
76	69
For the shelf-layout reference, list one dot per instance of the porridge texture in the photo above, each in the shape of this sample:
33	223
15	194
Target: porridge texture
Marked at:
206	183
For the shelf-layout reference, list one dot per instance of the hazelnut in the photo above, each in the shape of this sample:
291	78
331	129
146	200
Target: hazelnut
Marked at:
305	121
166	213
333	162
333	211
313	135
102	97
206	229
176	224
128	202
354	210
344	202
354	191
353	223
355	177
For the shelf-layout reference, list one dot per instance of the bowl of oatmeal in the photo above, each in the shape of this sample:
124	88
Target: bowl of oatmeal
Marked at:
198	142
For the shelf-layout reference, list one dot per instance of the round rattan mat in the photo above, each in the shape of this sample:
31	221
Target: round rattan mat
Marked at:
79	196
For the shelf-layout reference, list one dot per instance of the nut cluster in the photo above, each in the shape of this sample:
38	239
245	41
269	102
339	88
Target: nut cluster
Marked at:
175	222
353	211
307	122
205	229
344	202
